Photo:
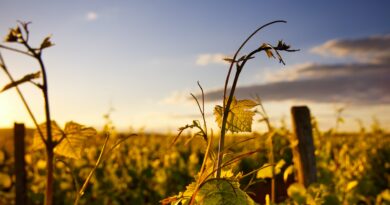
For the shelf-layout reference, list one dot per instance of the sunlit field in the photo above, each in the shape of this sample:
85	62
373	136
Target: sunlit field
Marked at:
196	103
352	168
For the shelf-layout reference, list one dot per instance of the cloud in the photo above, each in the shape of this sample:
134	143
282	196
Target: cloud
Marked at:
91	16
210	58
363	82
375	49
177	97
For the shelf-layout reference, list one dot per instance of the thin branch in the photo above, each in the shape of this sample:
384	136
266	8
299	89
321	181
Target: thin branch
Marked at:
3	65
81	191
36	84
203	113
16	50
203	116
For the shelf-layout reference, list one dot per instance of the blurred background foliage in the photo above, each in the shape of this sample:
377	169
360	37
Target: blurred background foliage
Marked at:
352	168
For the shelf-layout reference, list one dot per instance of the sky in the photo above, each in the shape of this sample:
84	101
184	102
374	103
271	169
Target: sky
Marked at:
144	58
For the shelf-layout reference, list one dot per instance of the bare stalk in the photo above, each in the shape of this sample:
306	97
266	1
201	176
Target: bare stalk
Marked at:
80	193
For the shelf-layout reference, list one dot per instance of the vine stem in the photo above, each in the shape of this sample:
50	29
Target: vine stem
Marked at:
50	144
49	141
226	106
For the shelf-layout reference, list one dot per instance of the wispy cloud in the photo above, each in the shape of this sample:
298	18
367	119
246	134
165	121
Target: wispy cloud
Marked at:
91	16
210	58
371	49
363	82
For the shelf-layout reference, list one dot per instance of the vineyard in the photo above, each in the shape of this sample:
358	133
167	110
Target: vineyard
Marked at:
352	169
229	164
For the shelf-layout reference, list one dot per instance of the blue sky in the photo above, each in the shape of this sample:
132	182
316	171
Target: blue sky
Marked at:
143	57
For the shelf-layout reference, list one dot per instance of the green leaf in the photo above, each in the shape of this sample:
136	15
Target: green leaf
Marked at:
240	116
46	43
217	192
73	144
26	78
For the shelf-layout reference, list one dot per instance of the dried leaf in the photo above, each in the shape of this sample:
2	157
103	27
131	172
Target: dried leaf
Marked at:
26	78
230	60
13	35
283	46
268	50
46	43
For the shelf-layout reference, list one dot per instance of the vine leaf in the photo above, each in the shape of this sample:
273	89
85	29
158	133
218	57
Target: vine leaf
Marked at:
74	141
213	191
240	115
26	78
74	138
57	133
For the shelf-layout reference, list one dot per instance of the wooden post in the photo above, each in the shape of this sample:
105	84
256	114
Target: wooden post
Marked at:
20	171
303	146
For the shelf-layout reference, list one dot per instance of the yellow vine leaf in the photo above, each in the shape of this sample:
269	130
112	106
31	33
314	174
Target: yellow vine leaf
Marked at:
74	141
240	116
56	131
74	138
